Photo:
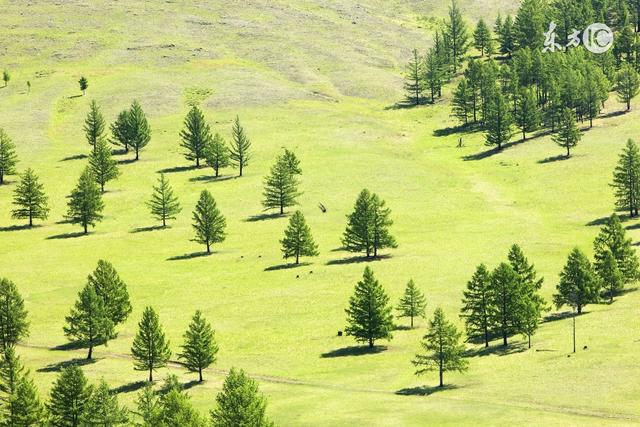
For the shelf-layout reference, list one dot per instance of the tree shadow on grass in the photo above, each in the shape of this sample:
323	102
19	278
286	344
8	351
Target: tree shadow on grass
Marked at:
18	227
59	366
74	96
357	260
614	114
403	328
68	235
264	217
69	346
178	169
287	266
493	151
191	384
553	317
460	129
425	390
354	351
126	161
74	157
189	256
129	388
149	228
211	178
553	159
498	350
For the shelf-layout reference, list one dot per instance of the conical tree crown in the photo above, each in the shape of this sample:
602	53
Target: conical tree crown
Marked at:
240	403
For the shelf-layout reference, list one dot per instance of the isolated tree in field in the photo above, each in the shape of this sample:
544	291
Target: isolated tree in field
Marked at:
369	312
208	223
13	316
164	205
414	83
527	114
29	199
613	237
150	348
482	38
19	401
239	153
298	240
462	103
94	125
579	285
412	303
6	77
627	84
8	157
457	36
102	164
69	397
368	226
89	323
280	187
85	202
568	135
626	179
443	351
199	349
121	132
476	304
196	135
138	128
610	275
240	403
84	84
113	290
497	121
216	154
505	299
103	408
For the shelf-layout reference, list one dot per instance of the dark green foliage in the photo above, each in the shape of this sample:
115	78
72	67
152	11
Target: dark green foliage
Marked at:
280	186
239	153
175	409
369	313
527	115
443	351
434	74
457	36
8	157
196	135
84	84
462	103
216	154
89	323
199	349
579	285
111	288
568	134
85	202
104	410
29	198
476	304
69	397
610	275
530	24
613	237
120	131
240	403
529	321
208	223
164	205
150	348
506	37
94	125
138	129
13	316
482	38
368	226
627	85
291	160
298	240
19	402
505	296
498	121
6	77
414	83
103	166
626	179
412	303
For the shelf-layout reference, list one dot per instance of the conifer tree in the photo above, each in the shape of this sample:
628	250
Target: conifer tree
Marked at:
240	403
505	296
199	349
69	397
443	351
626	179
6	77
94	125
196	135
506	37
579	285
529	25
164	205
84	84
414	83
368	226
369	313
150	348
568	134
291	160
29	198
239	153
121	131
628	85
103	409
612	236
412	303
175	409
482	38
527	115
610	275
498	121
216	154
476	304
138	130
147	406
456	31
208	223
531	303
19	402
13	316
103	167
530	314
434	75
113	290
280	187
462	102
473	76
8	157
85	202
89	323
298	240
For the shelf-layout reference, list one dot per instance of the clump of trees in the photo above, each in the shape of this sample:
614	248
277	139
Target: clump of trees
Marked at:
131	129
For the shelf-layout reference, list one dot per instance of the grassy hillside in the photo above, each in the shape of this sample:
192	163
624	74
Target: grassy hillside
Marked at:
317	77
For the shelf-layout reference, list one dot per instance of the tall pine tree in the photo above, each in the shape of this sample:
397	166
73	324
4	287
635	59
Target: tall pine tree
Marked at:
412	303
298	240
29	199
85	202
613	237
113	290
200	348
476	305
94	125
164	205
69	397
579	285
239	152
240	403
216	154
139	130
414	83
14	325
208	223
498	121
196	135
626	179
103	166
280	187
568	134
150	348
457	35
8	157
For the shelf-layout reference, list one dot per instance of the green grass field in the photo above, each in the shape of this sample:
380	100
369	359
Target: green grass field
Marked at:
317	77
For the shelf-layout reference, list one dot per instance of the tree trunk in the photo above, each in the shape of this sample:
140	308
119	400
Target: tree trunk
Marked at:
217	169
504	336
90	352
197	162
579	309
30	219
486	336
568	153
370	342
208	247
529	336
200	373
85	228
164	222
297	258
137	153
150	375
281	208
411	322
240	168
